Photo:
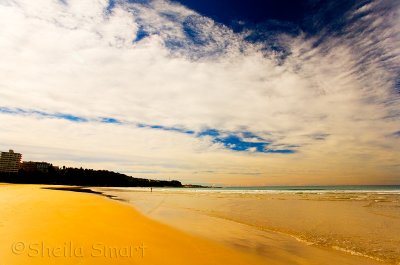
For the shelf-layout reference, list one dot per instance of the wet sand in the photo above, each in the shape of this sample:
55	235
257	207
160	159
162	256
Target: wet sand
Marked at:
291	228
42	226
45	226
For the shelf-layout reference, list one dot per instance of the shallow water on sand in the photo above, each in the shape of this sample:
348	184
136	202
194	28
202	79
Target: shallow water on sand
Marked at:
362	224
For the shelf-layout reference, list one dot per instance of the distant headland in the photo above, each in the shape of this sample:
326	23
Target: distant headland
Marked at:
12	170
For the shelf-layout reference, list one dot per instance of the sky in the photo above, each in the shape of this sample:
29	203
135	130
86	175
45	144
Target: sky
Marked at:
228	92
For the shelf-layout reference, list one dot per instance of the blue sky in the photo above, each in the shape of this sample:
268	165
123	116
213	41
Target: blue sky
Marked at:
224	92
307	16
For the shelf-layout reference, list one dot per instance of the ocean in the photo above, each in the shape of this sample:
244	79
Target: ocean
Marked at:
284	189
358	220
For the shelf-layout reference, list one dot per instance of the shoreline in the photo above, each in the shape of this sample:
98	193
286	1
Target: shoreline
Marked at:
343	222
395	189
251	240
296	236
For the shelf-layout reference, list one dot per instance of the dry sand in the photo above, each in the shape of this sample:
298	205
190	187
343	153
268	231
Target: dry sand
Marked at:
292	228
39	226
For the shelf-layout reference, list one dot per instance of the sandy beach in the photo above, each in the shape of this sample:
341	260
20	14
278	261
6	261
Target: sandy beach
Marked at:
39	226
293	228
200	132
43	226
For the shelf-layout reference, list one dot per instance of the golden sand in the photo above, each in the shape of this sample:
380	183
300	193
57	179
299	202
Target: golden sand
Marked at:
39	226
292	228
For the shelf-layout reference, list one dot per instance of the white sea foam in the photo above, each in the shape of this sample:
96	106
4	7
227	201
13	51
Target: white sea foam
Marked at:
265	190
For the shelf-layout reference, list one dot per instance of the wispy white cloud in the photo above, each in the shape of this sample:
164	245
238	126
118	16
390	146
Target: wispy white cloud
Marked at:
333	97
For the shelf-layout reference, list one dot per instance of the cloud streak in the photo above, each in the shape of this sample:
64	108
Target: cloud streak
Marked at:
236	141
